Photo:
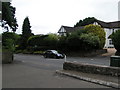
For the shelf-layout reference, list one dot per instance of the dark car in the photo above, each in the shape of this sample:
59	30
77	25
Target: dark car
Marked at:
53	54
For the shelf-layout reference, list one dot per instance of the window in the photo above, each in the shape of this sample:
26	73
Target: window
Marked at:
110	42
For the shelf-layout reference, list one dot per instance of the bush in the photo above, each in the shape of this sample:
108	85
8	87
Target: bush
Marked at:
79	41
8	46
62	44
90	41
38	52
73	42
116	40
9	40
97	31
43	42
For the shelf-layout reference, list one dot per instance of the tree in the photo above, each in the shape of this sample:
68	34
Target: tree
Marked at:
26	33
90	41
97	31
85	22
116	40
43	42
10	35
8	16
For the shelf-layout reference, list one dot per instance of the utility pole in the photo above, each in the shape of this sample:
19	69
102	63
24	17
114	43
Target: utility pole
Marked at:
119	11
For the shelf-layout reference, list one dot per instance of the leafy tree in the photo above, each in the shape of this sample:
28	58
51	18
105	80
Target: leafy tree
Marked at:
82	42
62	44
97	31
26	33
116	40
8	16
51	40
33	40
90	41
43	42
85	22
73	42
9	40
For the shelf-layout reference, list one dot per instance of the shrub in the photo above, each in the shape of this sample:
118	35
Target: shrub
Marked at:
43	42
9	40
51	41
8	46
90	41
38	52
61	44
73	42
97	31
116	40
10	35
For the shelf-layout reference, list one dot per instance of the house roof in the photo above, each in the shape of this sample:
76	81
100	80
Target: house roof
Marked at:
115	24
67	28
109	25
70	29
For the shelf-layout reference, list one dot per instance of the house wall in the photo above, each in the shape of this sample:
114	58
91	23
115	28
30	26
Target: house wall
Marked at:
62	31
108	43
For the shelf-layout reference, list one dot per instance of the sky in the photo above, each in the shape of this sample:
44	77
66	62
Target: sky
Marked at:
47	16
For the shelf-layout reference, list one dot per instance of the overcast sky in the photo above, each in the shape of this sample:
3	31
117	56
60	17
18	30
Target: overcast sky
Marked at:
47	16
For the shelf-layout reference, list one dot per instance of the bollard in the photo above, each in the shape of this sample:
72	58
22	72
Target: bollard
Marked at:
65	58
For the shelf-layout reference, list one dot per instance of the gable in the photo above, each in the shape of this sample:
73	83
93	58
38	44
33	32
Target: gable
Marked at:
61	30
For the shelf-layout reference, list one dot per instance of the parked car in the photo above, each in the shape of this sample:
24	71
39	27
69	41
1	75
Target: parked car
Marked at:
53	54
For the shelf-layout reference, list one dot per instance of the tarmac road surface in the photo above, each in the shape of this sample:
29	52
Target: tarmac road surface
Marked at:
34	71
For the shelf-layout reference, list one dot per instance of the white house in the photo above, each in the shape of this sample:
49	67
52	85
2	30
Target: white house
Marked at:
109	28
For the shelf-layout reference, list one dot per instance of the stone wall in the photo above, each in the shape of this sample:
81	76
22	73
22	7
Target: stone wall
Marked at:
90	68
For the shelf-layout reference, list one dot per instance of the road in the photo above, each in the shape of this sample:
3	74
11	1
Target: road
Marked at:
34	71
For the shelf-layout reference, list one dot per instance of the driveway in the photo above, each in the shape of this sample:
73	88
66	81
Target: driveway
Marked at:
34	71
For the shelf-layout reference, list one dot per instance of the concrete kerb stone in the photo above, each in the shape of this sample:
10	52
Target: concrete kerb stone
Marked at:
101	82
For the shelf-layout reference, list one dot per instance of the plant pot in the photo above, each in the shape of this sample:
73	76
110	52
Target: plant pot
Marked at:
7	56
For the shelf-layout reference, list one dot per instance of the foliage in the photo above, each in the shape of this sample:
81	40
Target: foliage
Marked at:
85	22
73	42
43	42
116	40
26	33
8	16
62	44
8	44
38	52
79	42
10	35
51	40
97	31
90	41
36	40
9	40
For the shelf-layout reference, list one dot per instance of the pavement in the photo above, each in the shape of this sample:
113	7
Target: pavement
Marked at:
106	80
94	78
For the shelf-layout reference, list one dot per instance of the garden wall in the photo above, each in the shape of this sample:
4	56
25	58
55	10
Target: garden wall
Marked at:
90	68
